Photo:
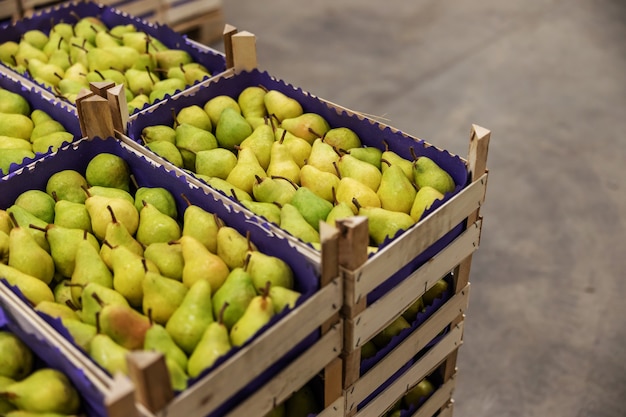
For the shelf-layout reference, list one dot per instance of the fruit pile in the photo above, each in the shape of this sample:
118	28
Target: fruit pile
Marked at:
72	55
122	271
24	131
26	390
293	168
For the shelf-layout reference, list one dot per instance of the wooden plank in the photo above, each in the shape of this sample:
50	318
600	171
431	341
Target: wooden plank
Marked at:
407	349
229	31
336	409
244	51
208	26
245	365
151	378
448	410
118	107
9	9
387	308
120	400
401	251
437	400
292	378
423	367
96	117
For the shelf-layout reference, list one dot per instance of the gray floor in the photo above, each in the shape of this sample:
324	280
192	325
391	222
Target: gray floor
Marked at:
545	332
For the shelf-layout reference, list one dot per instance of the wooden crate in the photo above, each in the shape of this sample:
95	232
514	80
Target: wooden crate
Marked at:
202	20
148	10
9	10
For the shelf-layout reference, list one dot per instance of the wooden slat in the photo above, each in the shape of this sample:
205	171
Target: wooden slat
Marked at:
229	31
437	400
244	51
423	367
336	409
292	378
401	251
407	349
9	9
234	374
448	410
386	309
151	377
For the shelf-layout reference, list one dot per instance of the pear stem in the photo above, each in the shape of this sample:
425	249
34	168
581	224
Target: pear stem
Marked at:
274	177
185	199
356	203
315	133
86	190
150	74
107	243
282	137
80	46
71	305
96	297
258	179
220	316
113	218
337	169
266	291
13	220
41	229
134	180
413	154
150	316
385	161
97	322
246	261
334	193
234	194
59	43
386	145
173	110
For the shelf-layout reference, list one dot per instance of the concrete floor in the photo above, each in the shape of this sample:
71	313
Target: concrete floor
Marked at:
545	333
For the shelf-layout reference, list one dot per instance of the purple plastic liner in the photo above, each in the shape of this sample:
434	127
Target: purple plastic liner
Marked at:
147	173
63	114
66	12
48	355
422	316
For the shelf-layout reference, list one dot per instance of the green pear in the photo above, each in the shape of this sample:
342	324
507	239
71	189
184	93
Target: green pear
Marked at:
64	244
138	103
105	39
11	102
414	395
270	211
191	318
227	188
38	203
27	52
8	50
393	158
266	269
436	291
282	163
384	337
159	197
108	170
341	210
51	142
16	125
166	87
102	59
427	172
350	189
126	56
216	162
195	116
172	58
236	292
95	296
82	333
168	257
7	142
201	225
189	73
125	213
129	271
5	222
245	172
363	172
56	310
116	234
88	267
293	222
68	185
4	247
191	140
342	138
168	151
16	360
88	27
201	264
214	107
323	157
259	312
384	224
283	298
46	390
159	340
424	198
25	219
231	129
125	325
308	126
233	247
108	354
299	148
27	256
109	74
281	106
273	190
13	157
410	314
33	289
319	182
251	102
396	192
158	132
260	141
161	296
156	226
368	350
140	81
313	208
214	343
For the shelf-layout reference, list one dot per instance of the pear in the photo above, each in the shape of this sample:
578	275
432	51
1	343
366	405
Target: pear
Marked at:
258	313
155	226
88	267
270	211
436	291
129	271
161	296
166	87
172	58
251	102
112	75
38	203
35	37
266	269
427	172
200	224
280	106
191	318
231	129
319	182
27	256
273	190
282	163
299	148
159	197
25	219
350	189
45	73
227	188
45	128
416	394
124	325
393	329
302	403
64	244
51	142
410	314
4	247
13	157
27	52
116	234
46	390
16	125
214	107
283	298
191	140
5	222
323	156
159	340
195	116
16	360
108	170
81	333
368	350
168	151
68	185
340	210
56	310
140	81
72	215
8	50
396	192
246	170
424	198
236	292
7	142
158	132
104	39
201	264
5	405
88	27
11	102
95	296
63	292
189	73
384	224
109	355
313	208
125	213
363	172
214	343
216	162
33	289
139	102
342	138
260	141
393	158
308	126
232	246
168	257
293	222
